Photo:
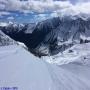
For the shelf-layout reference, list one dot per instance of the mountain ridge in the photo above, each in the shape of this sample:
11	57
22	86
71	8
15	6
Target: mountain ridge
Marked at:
55	34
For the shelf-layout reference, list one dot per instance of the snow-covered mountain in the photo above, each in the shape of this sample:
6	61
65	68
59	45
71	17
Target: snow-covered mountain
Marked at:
66	33
51	36
5	40
65	41
79	54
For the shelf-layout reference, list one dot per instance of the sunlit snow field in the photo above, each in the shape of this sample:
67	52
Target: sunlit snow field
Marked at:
19	68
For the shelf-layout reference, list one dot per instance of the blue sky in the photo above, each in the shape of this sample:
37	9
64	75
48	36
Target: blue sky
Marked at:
37	10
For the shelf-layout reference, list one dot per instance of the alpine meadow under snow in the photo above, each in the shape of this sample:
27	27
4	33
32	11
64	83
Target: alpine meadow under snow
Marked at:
44	45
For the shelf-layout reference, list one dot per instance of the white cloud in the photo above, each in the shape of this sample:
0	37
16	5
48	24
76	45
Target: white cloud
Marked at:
40	17
80	8
4	13
77	9
32	5
54	14
83	0
83	7
10	18
41	6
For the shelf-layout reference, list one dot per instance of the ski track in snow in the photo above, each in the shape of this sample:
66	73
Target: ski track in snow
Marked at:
71	76
63	78
66	80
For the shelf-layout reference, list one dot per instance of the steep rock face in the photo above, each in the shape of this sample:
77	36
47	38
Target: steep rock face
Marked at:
51	36
65	34
5	40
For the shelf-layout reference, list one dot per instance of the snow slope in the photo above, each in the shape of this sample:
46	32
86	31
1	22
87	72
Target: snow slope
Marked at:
79	53
19	68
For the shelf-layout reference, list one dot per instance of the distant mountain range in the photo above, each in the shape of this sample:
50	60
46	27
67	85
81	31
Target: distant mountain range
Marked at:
51	36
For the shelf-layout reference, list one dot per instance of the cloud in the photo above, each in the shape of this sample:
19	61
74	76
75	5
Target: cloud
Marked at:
10	18
83	7
41	17
80	8
33	5
54	7
4	13
83	0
